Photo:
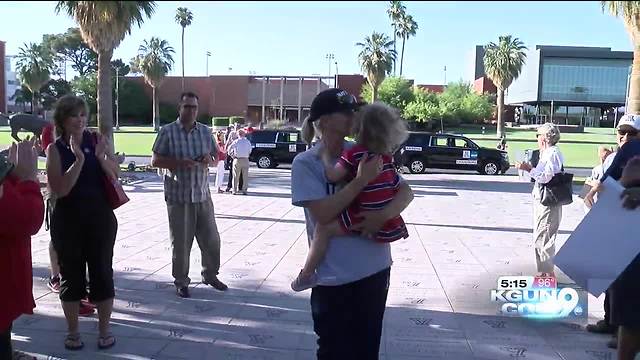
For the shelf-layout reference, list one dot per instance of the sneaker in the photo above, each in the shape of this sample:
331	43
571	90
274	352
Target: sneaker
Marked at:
86	310
303	282
54	284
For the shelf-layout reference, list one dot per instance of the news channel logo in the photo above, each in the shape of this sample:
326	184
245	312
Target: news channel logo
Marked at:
539	297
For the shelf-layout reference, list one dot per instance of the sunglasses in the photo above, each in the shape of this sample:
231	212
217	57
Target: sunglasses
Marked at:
344	97
189	107
628	132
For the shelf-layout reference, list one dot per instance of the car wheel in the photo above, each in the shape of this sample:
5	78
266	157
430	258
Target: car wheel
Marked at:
417	166
490	168
265	161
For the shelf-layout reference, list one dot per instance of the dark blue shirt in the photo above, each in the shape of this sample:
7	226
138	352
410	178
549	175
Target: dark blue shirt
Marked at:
626	152
89	186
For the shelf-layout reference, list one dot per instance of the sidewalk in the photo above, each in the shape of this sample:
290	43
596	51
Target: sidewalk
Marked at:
466	230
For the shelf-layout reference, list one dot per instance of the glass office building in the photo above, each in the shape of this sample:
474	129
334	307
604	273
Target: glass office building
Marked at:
570	85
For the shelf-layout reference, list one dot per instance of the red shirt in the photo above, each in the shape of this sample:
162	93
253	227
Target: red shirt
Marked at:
47	136
21	215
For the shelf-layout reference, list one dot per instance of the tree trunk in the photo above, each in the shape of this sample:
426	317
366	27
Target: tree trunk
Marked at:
500	127
634	83
105	96
402	55
394	50
183	59
374	93
156	109
34	104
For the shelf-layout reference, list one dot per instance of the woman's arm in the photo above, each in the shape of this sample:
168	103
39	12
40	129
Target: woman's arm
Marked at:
62	183
544	172
326	209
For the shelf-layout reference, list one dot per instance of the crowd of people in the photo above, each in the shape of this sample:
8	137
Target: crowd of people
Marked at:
351	194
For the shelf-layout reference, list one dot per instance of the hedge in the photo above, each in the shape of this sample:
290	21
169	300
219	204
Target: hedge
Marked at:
221	121
236	120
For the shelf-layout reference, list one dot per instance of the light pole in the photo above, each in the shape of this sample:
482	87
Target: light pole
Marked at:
445	75
336	74
117	99
208	55
330	57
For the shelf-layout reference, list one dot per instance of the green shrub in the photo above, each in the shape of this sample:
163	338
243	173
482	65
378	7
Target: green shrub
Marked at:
168	113
204	119
221	121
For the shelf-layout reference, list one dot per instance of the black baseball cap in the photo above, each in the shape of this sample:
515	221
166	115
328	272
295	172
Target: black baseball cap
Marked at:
332	101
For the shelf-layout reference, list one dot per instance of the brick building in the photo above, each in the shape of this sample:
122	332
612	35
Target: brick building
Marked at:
256	98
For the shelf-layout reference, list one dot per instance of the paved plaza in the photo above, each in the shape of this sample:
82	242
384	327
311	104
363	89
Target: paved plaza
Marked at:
465	231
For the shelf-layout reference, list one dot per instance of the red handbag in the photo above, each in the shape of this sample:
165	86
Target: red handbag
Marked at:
115	193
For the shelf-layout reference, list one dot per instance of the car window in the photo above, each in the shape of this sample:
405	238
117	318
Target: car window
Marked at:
439	141
288	137
461	143
418	140
263	137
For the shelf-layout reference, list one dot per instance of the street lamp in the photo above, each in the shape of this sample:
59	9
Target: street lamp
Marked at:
117	99
330	57
208	55
336	82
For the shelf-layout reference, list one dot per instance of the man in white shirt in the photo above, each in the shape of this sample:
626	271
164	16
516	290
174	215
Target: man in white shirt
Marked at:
240	149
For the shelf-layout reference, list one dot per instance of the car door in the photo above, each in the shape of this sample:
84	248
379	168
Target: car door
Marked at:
288	145
466	153
441	155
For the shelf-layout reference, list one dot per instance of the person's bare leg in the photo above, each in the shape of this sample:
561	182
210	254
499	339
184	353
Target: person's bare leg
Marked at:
319	245
104	316
628	343
71	309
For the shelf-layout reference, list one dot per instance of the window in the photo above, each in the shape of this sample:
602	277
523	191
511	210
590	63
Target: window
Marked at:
288	137
461	143
263	137
439	141
418	140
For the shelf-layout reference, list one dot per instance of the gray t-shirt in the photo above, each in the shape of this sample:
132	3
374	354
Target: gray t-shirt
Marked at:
349	258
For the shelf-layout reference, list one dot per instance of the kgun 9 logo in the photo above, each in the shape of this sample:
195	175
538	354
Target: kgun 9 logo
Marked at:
538	303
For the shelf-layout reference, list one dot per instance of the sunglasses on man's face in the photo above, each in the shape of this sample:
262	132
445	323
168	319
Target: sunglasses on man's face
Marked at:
190	107
628	132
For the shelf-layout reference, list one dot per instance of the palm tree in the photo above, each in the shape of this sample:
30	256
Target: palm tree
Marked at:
154	61
35	63
103	25
376	59
406	28
396	11
184	17
502	63
629	11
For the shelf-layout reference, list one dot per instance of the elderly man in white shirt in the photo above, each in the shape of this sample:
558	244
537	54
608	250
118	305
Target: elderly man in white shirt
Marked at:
546	218
240	149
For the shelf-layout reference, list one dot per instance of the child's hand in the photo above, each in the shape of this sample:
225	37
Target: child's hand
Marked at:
369	169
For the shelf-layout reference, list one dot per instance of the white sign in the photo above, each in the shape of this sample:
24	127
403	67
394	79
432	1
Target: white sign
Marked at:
292	148
602	245
413	148
466	154
270	146
466	162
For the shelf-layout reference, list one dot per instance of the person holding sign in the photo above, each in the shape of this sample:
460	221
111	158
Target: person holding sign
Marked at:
546	217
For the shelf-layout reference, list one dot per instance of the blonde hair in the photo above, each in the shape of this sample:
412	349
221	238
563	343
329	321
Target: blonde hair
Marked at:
310	130
379	128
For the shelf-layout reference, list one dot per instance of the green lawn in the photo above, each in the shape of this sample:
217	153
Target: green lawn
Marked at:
579	150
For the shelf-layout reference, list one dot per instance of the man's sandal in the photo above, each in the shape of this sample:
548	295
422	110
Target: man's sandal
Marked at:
73	342
105	342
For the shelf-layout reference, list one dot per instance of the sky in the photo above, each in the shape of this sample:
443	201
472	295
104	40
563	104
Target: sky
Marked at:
293	38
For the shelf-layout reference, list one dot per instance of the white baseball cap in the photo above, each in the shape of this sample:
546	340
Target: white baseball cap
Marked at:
632	120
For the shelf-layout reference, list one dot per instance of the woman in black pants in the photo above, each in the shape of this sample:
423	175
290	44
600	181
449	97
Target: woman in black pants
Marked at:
83	225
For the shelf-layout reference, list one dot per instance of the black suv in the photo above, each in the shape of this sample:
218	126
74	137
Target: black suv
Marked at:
273	147
448	151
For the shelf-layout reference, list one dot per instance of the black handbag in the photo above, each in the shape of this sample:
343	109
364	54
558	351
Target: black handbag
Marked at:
558	191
